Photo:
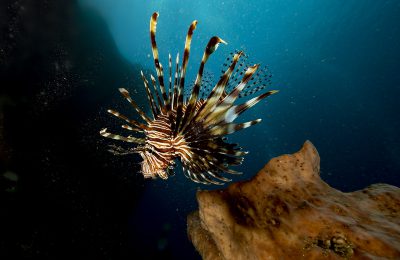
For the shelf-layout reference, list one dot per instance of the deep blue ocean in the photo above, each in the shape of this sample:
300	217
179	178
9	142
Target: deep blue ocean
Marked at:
336	66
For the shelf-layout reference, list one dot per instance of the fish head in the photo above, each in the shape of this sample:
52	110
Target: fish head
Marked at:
151	167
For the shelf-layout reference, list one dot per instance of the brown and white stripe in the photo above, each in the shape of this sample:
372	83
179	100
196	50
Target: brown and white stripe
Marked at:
183	74
191	130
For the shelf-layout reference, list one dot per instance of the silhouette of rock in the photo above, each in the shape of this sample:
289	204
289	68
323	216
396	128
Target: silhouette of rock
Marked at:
287	212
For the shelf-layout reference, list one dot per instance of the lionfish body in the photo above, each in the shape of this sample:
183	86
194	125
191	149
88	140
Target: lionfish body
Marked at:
190	129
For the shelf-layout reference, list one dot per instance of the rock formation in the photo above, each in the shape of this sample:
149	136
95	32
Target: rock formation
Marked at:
287	212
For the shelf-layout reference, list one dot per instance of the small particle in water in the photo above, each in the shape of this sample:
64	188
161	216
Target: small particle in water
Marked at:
12	176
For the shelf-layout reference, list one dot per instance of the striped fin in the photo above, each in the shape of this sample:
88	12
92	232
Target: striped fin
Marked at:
201	175
218	177
187	52
213	173
183	73
230	128
153	28
206	84
174	97
226	169
150	98
190	109
218	114
259	81
229	99
162	88
237	74
190	169
223	151
214	96
128	139
235	111
206	165
153	81
205	87
187	167
210	158
194	177
226	103
216	93
126	119
216	162
231	152
185	173
117	150
126	95
216	145
170	91
208	180
133	129
232	161
252	91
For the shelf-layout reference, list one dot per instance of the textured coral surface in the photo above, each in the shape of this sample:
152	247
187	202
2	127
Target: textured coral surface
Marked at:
287	212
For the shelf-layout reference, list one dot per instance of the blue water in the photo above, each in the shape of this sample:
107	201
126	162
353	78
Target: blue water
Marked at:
336	64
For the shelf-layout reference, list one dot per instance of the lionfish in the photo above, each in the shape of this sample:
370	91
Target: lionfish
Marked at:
192	128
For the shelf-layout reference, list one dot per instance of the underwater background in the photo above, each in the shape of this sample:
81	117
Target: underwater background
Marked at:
336	64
